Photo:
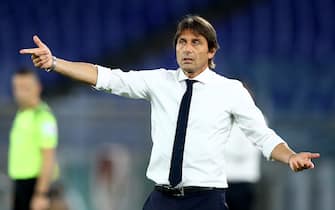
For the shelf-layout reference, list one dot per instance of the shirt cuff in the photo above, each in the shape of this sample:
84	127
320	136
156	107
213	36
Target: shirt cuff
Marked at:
103	77
270	145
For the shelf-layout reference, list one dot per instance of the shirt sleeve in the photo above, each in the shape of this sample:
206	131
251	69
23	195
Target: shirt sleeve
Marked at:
251	121
132	84
48	135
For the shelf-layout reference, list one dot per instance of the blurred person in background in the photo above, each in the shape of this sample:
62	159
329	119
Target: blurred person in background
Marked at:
243	170
33	142
111	181
188	132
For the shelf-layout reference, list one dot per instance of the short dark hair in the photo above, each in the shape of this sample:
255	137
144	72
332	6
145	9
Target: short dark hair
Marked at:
201	26
24	71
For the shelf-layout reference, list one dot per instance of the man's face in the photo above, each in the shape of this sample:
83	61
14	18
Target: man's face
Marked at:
26	90
192	52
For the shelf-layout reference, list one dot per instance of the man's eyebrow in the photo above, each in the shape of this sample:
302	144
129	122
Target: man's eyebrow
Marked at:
196	37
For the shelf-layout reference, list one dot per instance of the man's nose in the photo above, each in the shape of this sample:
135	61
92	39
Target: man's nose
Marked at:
187	48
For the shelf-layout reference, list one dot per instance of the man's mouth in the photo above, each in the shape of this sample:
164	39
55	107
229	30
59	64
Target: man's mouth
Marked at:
187	60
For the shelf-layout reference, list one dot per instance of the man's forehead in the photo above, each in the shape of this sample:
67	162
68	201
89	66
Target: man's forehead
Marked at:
190	32
26	78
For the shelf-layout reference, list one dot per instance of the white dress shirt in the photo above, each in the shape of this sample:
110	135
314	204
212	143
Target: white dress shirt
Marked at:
217	103
242	158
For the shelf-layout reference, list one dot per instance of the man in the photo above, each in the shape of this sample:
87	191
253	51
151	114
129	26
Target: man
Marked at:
188	132
33	139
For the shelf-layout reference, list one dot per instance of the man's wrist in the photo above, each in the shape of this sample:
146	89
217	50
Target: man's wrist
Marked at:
53	65
41	193
290	157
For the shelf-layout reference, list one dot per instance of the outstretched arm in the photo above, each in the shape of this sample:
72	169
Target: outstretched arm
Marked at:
296	161
42	58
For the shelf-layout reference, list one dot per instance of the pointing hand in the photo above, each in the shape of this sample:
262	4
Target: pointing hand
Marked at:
41	56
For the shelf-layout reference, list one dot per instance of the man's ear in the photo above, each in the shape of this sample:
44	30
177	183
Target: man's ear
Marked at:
211	53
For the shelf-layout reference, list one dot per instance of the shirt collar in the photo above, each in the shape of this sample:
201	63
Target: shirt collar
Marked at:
203	77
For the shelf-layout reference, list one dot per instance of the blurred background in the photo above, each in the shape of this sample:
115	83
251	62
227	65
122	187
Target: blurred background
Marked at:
283	49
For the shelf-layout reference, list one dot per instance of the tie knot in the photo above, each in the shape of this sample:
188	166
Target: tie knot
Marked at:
189	82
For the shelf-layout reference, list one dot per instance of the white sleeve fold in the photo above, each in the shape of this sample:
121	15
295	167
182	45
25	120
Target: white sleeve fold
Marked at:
132	84
251	121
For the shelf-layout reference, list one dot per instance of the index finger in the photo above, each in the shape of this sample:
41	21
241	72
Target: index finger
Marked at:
314	155
35	51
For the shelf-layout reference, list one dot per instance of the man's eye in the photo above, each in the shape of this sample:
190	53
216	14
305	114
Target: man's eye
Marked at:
182	41
196	42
